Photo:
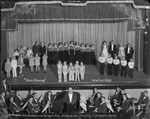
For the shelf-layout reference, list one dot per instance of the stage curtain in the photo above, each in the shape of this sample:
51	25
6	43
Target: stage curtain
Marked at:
82	32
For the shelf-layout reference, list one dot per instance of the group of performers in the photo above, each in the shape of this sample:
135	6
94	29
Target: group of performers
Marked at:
115	59
76	72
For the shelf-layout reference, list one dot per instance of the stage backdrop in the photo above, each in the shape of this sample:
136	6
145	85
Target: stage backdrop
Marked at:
82	32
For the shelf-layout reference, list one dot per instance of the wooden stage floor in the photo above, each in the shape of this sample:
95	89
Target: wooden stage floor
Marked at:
49	80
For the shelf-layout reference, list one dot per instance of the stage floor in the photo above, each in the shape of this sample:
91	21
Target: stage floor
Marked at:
49	80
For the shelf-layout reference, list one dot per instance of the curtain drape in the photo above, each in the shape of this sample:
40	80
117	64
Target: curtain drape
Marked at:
82	32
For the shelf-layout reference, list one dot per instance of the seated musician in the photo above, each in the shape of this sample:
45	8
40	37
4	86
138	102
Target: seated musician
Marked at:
32	109
35	101
3	100
102	106
91	99
18	99
47	102
145	100
30	94
13	106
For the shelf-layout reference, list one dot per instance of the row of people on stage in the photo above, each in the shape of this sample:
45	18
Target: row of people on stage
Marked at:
113	65
76	72
120	50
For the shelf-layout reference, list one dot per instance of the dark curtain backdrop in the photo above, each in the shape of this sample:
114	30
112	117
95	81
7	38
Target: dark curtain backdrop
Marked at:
83	32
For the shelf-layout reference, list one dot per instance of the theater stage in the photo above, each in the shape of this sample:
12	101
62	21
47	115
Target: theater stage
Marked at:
44	81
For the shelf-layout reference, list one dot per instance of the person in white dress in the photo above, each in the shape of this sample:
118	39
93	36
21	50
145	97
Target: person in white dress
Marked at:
82	70
71	72
37	62
59	70
44	62
65	71
105	49
20	63
121	52
14	66
77	69
31	63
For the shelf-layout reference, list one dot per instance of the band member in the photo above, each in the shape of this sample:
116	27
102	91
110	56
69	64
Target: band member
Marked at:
3	102
87	54
18	99
55	53
37	63
104	49
123	67
61	51
20	63
93	58
129	52
102	107
145	100
44	62
30	94
109	65
35	101
66	52
13	106
50	53
31	108
8	68
121	52
77	52
82	53
91	99
72	51
116	63
102	63
65	71
77	70
82	70
131	68
71	72
31	63
70	99
14	67
112	49
36	48
59	70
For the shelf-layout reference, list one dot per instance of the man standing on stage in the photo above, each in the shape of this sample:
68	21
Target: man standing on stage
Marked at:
129	52
36	48
112	49
70	100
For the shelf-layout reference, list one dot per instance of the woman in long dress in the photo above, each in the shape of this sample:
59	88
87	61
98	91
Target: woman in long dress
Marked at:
93	57
66	52
121	52
50	53
105	49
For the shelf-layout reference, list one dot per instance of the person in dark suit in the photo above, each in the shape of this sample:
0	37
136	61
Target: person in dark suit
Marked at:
13	106
30	94
145	100
3	100
129	52
31	108
4	86
36	48
112	48
18	99
102	106
70	99
35	101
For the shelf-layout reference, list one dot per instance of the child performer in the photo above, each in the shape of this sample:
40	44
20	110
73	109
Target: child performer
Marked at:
102	60
71	72
37	62
109	64
16	54
116	65
44	61
59	69
20	63
131	67
31	63
123	67
8	68
82	70
65	71
14	66
77	69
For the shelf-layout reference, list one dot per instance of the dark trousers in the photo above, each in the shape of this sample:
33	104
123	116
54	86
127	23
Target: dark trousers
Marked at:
116	69
130	73
123	71
109	69
71	108
102	68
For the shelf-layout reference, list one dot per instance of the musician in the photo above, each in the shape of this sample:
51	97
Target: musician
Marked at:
70	99
31	108
145	100
4	86
30	94
47	102
91	99
35	101
3	100
112	48
13	106
129	52
18	99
